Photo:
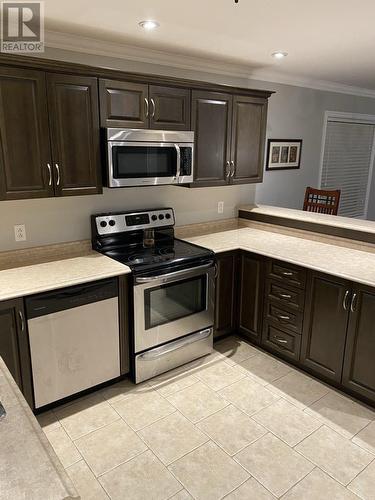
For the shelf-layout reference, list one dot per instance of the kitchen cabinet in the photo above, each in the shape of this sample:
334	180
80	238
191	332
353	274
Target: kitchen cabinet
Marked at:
251	296
139	105
326	318
226	294
25	151
359	368
14	347
229	138
49	135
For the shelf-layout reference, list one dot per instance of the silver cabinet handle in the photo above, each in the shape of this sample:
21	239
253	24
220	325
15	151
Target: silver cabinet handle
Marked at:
49	174
146	107
285	296
345	300
287	273
283	317
153	108
353	304
280	340
20	315
233	168
227	170
58	174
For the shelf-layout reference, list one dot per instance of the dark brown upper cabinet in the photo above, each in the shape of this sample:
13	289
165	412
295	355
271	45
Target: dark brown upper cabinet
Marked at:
25	153
251	296
14	347
226	294
139	105
229	138
74	124
359	371
325	324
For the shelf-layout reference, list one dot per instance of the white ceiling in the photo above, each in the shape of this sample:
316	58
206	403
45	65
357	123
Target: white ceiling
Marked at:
327	40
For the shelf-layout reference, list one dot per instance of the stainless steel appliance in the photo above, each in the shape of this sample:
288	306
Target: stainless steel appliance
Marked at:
173	288
74	339
148	157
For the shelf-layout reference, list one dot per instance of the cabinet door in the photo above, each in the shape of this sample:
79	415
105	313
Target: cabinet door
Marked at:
14	346
123	104
212	122
24	135
359	368
169	108
74	122
251	296
325	324
248	138
226	288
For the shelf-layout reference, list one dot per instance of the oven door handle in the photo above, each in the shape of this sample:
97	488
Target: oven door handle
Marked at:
176	274
158	352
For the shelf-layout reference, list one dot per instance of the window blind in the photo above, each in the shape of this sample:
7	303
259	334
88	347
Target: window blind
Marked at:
347	164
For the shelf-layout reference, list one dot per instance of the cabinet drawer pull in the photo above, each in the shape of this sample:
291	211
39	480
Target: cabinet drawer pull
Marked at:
287	273
285	296
283	317
280	340
353	304
345	300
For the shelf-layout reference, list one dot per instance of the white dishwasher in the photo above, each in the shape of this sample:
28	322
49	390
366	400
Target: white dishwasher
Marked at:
74	339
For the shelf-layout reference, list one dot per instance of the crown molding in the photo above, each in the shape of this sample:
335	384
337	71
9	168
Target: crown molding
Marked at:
88	45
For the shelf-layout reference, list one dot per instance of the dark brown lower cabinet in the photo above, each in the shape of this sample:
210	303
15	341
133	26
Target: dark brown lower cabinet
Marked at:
251	295
14	345
359	363
226	294
325	324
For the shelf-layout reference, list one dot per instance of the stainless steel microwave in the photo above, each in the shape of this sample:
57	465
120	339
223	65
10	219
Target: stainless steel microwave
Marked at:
148	157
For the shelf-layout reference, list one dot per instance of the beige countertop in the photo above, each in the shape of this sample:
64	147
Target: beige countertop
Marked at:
352	264
27	280
366	226
29	468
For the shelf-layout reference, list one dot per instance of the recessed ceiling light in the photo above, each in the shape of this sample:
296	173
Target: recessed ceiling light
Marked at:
279	54
149	25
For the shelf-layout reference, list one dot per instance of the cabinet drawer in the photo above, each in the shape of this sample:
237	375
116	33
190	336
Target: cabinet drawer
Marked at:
285	343
286	273
279	316
278	293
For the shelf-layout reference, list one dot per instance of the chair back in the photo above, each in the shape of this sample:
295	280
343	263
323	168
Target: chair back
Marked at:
321	201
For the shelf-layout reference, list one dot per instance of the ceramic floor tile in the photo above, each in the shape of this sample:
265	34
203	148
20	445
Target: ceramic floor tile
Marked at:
84	480
235	349
366	438
248	395
86	415
143	477
250	490
63	446
48	421
124	389
336	455
264	369
182	495
317	485
219	375
172	437
231	429
173	381
208	473
197	402
341	414
364	484
110	446
274	464
289	423
299	389
143	409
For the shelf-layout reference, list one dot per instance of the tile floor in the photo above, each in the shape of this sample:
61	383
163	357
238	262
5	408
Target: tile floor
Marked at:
238	424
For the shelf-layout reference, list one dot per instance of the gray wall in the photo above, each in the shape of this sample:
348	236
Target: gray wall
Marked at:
293	112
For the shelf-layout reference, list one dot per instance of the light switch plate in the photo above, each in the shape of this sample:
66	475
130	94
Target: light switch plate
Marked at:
220	207
20	232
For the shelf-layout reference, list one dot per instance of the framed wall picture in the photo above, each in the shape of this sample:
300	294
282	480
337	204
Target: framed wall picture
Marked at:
283	154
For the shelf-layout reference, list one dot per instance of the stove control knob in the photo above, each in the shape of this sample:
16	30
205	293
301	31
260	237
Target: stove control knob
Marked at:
154	217
167	216
161	216
112	222
103	223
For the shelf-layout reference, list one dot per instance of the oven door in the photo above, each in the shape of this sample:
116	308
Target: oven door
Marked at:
169	306
142	163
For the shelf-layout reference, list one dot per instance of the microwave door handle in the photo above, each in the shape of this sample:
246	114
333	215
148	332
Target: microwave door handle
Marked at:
178	170
176	274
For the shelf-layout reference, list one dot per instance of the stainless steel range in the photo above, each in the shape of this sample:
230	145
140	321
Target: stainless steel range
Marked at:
173	292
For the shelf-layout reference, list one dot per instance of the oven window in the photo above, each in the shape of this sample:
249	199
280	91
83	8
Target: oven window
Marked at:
143	161
173	301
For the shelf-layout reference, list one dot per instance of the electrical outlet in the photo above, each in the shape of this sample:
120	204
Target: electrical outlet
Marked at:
20	232
220	207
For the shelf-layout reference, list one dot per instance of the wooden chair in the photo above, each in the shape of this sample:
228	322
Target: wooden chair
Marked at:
321	201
